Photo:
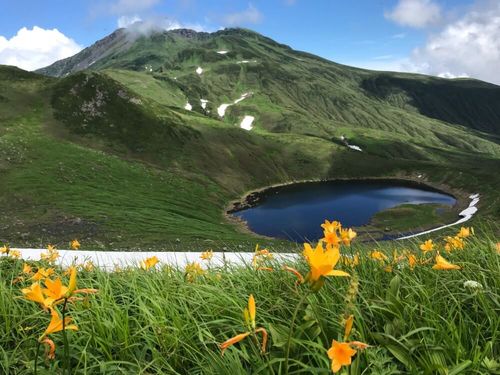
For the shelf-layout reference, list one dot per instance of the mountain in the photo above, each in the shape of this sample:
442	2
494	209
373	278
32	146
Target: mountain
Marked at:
129	143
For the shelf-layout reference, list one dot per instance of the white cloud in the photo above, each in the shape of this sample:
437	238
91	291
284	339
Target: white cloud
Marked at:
251	15
136	26
415	13
125	21
36	48
468	46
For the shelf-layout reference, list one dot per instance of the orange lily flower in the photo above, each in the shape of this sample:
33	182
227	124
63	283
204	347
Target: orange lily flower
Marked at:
43	273
341	354
378	255
27	268
56	324
322	262
443	264
427	246
331	226
412	261
347	235
74	245
148	263
465	232
55	289
34	293
207	255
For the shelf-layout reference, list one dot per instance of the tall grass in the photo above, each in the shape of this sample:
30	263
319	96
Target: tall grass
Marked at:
420	321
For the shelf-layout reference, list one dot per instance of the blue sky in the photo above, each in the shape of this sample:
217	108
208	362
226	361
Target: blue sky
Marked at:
405	35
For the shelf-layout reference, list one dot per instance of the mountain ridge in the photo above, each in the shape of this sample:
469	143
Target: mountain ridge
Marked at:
117	149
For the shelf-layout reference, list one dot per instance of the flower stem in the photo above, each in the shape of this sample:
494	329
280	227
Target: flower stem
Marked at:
65	339
289	340
36	356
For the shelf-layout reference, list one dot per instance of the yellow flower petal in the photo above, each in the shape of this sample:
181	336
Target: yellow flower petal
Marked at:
251	310
233	340
348	326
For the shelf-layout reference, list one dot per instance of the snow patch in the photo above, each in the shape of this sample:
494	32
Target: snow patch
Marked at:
109	260
354	147
223	52
222	108
465	215
203	103
91	63
188	106
199	70
247	122
246	61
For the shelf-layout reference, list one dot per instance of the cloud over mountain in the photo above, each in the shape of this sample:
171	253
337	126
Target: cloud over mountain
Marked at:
468	46
34	48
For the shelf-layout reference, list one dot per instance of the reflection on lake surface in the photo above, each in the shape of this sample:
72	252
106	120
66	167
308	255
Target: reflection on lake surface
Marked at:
295	212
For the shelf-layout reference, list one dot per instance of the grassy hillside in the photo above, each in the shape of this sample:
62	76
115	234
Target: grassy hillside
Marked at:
110	155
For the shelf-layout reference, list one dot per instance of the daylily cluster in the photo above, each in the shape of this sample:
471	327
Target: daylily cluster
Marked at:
51	255
397	258
456	242
322	260
207	255
193	271
54	293
148	263
16	254
260	257
249	315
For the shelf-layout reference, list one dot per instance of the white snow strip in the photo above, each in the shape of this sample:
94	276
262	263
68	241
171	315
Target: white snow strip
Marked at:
243	97
109	260
246	61
247	122
223	52
203	103
91	63
357	148
199	70
188	106
465	216
222	108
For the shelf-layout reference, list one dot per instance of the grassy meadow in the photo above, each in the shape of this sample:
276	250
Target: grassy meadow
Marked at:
411	312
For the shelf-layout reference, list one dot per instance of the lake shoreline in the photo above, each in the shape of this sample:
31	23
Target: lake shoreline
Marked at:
254	197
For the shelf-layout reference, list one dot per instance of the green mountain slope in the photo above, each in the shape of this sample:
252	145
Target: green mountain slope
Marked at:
106	151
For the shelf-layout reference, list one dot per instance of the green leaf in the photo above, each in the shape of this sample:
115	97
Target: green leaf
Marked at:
279	335
458	369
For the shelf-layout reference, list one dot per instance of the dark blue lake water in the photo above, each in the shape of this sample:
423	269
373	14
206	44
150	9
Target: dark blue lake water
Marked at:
295	212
